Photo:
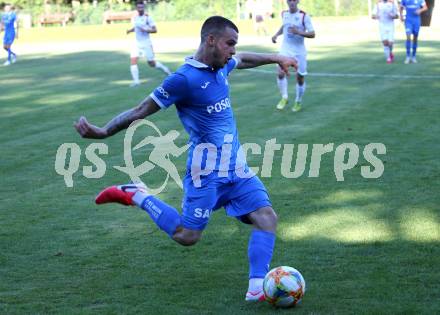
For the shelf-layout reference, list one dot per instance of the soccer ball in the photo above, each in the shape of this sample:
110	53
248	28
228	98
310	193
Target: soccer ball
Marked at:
284	286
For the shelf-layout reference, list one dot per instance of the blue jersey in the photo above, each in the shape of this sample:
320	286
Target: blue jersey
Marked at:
201	96
411	6
8	20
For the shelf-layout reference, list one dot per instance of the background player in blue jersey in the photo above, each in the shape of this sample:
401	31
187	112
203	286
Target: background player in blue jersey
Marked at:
8	22
413	9
217	173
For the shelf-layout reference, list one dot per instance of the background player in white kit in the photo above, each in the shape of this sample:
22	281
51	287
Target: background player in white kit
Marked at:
296	25
143	25
386	11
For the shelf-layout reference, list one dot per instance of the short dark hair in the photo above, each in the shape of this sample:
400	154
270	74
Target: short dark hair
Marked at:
215	25
140	2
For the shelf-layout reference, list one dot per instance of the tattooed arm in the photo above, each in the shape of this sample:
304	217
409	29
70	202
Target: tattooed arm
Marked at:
147	107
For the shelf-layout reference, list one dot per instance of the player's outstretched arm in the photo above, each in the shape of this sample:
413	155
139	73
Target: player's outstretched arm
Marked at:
252	60
274	37
147	107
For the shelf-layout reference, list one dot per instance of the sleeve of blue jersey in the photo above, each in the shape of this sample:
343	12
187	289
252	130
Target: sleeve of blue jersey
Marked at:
172	90
231	65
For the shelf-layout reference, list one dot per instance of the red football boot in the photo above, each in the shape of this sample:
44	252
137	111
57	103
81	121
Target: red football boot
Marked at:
122	194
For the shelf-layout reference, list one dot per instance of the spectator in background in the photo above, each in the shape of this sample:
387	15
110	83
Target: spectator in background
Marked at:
259	15
249	8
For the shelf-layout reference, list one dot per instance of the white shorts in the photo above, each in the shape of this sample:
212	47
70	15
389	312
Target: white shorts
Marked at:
386	33
300	58
144	49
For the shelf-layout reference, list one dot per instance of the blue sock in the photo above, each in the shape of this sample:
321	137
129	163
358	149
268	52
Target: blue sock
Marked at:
9	54
166	217
414	49
260	251
408	48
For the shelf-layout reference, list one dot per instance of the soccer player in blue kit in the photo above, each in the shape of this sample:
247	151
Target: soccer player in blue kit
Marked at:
413	8
8	21
200	91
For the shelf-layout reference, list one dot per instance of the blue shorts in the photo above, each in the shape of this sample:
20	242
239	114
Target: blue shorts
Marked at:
8	38
412	27
239	196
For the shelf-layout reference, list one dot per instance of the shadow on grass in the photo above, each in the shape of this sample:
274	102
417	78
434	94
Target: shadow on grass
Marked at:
363	246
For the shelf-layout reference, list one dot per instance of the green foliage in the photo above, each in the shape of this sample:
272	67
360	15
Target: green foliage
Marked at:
319	7
330	7
87	13
192	10
350	7
162	11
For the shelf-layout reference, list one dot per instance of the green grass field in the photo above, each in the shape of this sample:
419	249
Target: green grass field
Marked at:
364	246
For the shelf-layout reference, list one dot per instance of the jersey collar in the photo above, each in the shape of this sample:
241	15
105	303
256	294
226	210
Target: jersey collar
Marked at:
196	64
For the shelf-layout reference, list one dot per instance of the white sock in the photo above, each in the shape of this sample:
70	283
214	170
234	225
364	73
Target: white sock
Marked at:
255	284
282	86
300	89
162	67
134	73
139	197
386	50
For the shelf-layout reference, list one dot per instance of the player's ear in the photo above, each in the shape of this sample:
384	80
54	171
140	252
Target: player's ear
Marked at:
210	40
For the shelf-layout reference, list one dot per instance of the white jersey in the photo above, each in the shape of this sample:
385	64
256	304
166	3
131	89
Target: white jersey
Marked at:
294	42
385	12
140	23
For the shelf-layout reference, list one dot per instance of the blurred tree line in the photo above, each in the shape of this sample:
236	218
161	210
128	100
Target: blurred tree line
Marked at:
91	11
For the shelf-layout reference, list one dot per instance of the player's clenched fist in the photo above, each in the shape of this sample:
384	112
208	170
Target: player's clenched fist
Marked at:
87	130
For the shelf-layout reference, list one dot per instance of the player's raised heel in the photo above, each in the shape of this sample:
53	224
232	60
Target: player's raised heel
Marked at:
257	296
122	194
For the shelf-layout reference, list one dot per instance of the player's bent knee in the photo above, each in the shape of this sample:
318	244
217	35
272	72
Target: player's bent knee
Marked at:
187	237
264	219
